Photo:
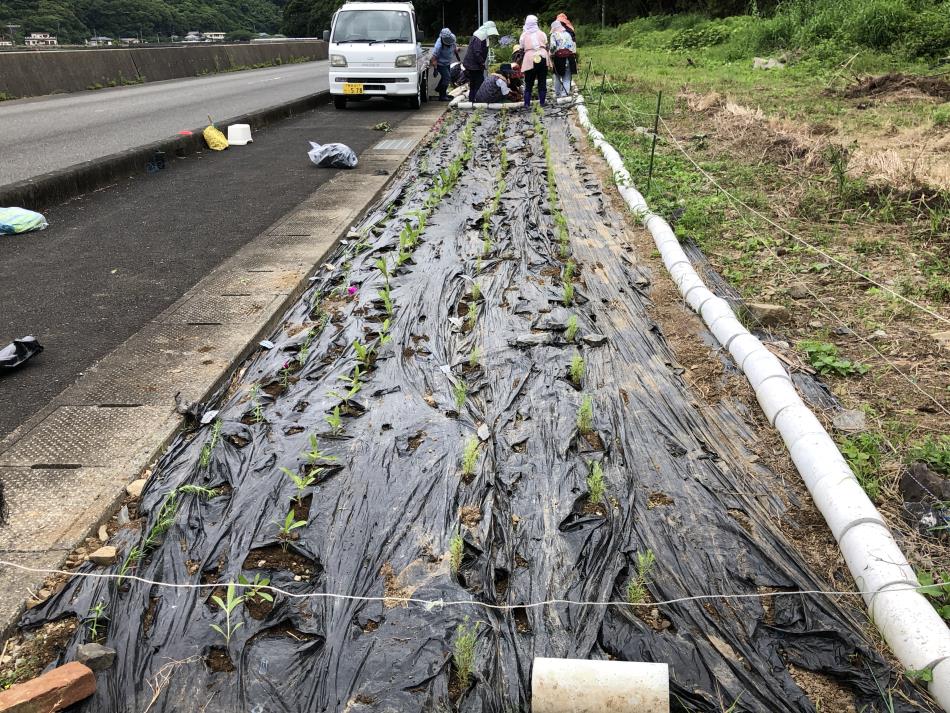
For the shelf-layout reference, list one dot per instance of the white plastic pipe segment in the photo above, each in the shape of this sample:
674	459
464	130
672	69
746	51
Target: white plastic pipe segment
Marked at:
913	629
581	686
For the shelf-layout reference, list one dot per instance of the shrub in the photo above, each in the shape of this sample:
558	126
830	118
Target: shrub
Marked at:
879	23
941	115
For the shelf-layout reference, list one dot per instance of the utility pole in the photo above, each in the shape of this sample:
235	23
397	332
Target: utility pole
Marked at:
485	11
603	13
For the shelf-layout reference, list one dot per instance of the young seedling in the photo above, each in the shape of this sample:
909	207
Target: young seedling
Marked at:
571	332
301	482
284	374
381	266
476	291
577	369
94	619
595	483
231	602
585	415
254	590
386	296
205	458
456	550
335	421
568	293
199	490
285	529
133	557
164	520
470	457
637	586
473	357
463	655
365	353
568	275
459	393
315	454
384	334
472	317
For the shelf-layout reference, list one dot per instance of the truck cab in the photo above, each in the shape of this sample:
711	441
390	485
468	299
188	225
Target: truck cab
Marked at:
375	51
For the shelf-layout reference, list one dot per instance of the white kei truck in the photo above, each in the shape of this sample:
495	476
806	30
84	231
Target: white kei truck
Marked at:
375	51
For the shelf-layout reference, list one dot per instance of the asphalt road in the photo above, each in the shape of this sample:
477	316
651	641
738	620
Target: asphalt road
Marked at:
48	133
114	259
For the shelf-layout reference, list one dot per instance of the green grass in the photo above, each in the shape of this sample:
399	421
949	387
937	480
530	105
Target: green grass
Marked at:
863	453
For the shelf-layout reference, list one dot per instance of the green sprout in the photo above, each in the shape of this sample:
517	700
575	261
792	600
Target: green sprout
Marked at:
577	369
315	454
474	356
595	483
568	293
205	458
571	330
568	275
637	586
456	549
470	457
335	420
463	655
200	490
228	605
94	618
286	528
255	588
476	291
585	415
459	393
365	353
385	295
301	482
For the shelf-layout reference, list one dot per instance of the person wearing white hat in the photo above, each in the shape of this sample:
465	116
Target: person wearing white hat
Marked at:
536	60
476	57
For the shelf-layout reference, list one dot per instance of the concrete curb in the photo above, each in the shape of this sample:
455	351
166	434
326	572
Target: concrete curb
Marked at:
66	468
57	186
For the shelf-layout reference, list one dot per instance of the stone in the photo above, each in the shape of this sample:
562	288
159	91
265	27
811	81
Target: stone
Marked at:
484	432
842	331
815	324
594	340
95	656
53	691
135	488
104	556
103	534
850	420
531	340
767	315
942	338
123	517
877	335
920	484
767	63
797	292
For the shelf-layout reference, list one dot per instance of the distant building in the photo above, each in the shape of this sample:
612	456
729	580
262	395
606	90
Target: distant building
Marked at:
40	39
214	36
130	40
194	37
6	43
100	42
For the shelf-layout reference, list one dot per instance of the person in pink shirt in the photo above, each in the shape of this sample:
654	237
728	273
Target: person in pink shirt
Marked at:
536	60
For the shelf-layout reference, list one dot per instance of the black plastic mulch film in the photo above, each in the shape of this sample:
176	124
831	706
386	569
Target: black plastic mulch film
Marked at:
388	500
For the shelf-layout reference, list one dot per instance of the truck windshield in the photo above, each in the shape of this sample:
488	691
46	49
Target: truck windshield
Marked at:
372	26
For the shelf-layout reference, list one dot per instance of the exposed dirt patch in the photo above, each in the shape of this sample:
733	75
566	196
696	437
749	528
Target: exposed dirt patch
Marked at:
219	661
470	515
27	653
896	82
392	587
823	690
275	558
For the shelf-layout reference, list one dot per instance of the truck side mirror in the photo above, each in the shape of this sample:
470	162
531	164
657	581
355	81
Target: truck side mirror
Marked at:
420	33
326	35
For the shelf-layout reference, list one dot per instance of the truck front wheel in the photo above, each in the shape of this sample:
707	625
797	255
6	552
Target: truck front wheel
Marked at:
416	101
339	102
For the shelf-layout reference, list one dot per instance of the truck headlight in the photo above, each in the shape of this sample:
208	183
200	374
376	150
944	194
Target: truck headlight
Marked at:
337	60
406	60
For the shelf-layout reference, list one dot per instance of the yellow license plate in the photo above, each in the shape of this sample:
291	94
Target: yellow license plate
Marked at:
352	88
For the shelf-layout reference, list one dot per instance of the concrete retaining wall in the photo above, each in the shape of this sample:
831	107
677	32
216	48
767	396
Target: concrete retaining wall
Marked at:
26	74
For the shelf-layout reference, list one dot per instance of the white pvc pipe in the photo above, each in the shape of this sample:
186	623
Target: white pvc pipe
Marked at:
913	629
582	686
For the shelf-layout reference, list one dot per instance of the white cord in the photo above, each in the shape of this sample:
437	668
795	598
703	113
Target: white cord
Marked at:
439	603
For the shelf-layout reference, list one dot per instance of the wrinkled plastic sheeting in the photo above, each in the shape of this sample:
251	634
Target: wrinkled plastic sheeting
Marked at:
14	221
18	351
680	482
332	155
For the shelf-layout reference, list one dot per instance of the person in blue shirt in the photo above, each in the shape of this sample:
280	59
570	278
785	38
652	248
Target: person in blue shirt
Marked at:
442	54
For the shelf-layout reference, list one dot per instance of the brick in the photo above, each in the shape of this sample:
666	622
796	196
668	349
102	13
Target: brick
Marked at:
53	691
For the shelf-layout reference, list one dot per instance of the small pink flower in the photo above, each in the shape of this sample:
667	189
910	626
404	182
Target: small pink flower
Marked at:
352	289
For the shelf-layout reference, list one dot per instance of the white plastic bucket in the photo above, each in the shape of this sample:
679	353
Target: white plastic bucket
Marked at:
239	134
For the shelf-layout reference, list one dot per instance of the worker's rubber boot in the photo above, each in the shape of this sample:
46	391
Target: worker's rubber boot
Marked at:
542	93
527	99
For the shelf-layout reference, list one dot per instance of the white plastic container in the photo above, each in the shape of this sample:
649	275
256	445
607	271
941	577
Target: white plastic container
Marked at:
239	134
581	686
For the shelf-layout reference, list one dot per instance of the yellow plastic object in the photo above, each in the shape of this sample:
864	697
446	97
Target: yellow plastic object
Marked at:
215	139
